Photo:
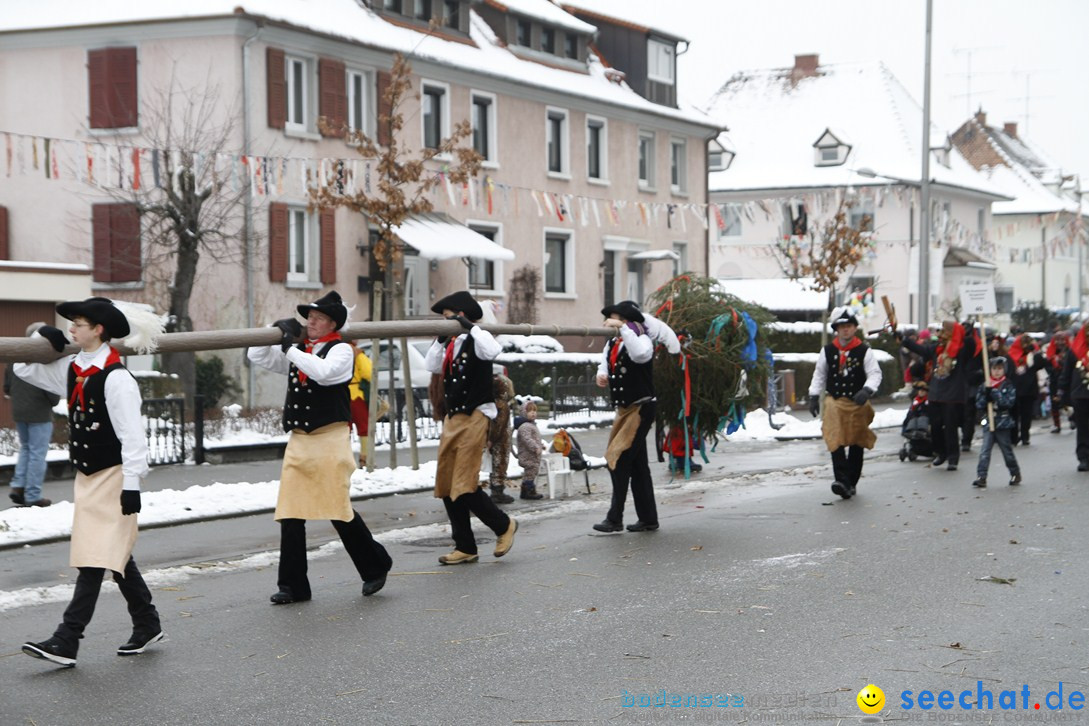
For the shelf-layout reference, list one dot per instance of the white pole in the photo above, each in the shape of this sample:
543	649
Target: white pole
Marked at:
924	185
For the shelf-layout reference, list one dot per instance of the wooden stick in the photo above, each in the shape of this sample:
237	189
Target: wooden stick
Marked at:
986	372
38	350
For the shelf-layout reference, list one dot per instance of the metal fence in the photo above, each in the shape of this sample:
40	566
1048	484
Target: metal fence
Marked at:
395	422
165	429
573	395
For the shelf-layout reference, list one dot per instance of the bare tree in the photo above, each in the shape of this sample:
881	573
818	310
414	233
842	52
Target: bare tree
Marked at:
525	285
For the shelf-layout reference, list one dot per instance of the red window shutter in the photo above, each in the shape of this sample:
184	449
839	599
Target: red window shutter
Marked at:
125	242
277	91
5	251
328	246
328	85
100	231
277	242
385	109
341	111
98	91
122	79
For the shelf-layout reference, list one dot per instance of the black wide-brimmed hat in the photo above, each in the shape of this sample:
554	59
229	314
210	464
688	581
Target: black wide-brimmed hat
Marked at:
842	317
626	309
330	304
460	302
100	311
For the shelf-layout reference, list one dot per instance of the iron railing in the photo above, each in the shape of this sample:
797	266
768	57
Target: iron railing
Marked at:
575	395
165	429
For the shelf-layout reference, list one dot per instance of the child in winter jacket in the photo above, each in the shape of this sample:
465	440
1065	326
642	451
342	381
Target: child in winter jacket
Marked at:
530	449
1002	394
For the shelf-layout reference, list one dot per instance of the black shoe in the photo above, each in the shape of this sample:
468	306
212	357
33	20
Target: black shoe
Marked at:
372	586
529	491
843	490
43	502
965	447
937	461
1057	430
1015	479
138	642
980	482
607	526
1025	442
285	597
642	527
501	497
1083	465
851	490
17	496
52	650
950	467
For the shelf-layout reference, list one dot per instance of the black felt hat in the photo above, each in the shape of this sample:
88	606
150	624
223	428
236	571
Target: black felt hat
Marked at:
460	302
330	304
626	309
97	310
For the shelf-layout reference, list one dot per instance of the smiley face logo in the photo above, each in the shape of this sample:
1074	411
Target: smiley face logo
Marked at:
871	699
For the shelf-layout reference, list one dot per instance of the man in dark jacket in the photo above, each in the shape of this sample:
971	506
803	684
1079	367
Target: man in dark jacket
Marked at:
1074	381
951	355
32	410
1026	359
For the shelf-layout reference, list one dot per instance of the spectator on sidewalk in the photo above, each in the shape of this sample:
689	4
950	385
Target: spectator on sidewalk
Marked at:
499	438
464	362
318	461
32	411
359	389
530	448
108	447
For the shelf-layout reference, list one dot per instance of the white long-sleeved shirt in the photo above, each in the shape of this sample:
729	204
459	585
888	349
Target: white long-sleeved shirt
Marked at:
122	404
660	332
336	367
640	348
869	365
486	347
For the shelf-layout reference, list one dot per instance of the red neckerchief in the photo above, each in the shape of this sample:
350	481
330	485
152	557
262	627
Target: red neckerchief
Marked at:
996	382
310	347
448	359
956	340
1053	351
615	353
82	374
1017	353
855	342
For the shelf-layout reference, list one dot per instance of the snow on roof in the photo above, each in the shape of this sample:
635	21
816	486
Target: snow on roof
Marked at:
544	10
773	123
348	20
646	14
438	237
777	294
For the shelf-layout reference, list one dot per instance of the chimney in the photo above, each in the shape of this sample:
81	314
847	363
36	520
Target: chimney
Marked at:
1010	128
805	65
981	118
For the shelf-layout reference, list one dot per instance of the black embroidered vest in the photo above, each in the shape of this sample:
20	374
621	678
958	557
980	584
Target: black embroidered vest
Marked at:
628	381
92	443
309	405
467	382
849	381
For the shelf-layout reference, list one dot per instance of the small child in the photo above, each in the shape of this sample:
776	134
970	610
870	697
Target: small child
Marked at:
1003	394
530	449
675	447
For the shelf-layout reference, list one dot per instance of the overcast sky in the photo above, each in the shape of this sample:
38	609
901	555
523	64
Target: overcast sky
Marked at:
1043	41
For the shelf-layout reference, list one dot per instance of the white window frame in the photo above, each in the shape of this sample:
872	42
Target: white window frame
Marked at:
564	142
655	55
680	265
864	206
492	161
841	151
569	263
735	222
496	289
367	103
646	183
678	165
309	251
306	93
603	150
444	110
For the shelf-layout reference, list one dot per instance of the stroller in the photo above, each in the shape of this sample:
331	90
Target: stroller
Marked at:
916	427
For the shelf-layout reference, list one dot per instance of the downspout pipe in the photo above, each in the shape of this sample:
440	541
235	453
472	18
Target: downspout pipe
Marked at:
247	220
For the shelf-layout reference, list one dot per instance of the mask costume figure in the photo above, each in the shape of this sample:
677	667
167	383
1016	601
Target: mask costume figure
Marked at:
318	461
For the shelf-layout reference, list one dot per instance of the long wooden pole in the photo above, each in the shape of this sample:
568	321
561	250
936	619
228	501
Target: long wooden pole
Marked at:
38	350
986	373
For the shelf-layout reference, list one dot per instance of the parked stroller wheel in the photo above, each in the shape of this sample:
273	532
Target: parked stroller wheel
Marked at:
903	455
913	456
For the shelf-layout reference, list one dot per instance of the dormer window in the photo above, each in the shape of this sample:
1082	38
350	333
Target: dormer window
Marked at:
523	32
548	40
941	153
831	150
661	72
394	6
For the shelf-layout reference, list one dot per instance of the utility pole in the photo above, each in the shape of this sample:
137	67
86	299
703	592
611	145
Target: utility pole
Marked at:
924	184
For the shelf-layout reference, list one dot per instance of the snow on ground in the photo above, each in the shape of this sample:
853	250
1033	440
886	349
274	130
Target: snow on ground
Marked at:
757	427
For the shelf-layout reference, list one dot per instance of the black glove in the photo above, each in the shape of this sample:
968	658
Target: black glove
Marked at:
465	323
899	335
862	396
442	339
54	336
291	330
815	406
130	502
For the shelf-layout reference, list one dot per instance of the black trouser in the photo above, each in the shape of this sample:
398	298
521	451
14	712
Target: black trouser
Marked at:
1081	428
369	557
847	464
632	466
945	420
145	618
484	508
968	423
1024	410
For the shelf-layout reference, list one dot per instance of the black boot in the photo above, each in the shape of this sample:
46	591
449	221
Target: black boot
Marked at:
529	491
499	496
